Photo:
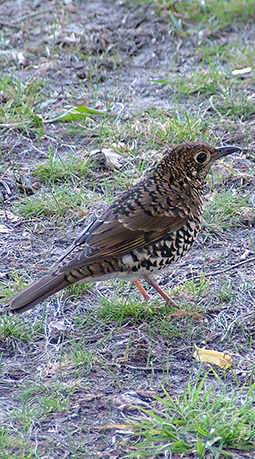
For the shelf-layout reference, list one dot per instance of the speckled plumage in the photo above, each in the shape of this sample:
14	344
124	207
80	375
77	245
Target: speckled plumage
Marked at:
146	229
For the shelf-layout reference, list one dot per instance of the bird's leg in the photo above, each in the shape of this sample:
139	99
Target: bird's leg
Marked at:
177	314
159	290
142	290
151	282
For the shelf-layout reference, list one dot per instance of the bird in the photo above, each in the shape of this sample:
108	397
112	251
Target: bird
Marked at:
146	229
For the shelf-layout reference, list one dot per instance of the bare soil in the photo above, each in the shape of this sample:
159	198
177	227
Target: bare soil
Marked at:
126	46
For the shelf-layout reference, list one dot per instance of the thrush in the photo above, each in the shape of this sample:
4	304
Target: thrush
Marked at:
146	229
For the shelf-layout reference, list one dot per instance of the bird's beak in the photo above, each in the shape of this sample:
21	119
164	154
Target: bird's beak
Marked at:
227	150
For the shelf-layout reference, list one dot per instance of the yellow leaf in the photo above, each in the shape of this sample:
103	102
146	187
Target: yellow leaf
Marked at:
215	357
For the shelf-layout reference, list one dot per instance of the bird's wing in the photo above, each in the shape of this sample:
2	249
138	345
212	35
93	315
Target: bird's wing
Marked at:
125	226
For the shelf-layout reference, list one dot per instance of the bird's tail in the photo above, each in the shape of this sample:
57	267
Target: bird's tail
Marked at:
37	292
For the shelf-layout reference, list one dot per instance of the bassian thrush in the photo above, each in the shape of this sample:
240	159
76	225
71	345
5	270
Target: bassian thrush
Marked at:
146	229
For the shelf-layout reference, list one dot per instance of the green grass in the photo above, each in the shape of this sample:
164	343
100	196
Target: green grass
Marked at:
53	203
63	170
38	403
73	184
14	328
234	54
14	446
203	421
24	417
211	14
89	172
18	101
55	403
118	310
205	82
79	358
226	209
155	315
194	289
225	291
77	290
173	126
235	106
17	284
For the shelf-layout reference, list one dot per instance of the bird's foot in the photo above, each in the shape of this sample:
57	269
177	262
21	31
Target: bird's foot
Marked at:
178	314
170	302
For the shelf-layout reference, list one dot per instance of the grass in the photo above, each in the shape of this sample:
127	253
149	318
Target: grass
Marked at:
117	310
205	82
177	124
226	209
239	108
202	421
18	100
211	14
14	446
17	284
56	202
195	289
15	329
154	315
234	54
225	291
79	358
62	170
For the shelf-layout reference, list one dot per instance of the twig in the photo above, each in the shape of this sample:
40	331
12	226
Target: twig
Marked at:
221	271
214	108
150	369
31	15
8	24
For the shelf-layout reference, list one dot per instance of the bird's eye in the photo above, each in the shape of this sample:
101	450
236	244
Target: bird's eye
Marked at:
202	158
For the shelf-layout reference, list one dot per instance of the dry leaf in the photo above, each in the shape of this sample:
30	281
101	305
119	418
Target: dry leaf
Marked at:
9	215
241	71
109	157
113	426
21	59
57	325
180	314
215	357
4	229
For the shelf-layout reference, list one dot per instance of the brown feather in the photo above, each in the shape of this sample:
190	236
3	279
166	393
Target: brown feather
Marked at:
38	292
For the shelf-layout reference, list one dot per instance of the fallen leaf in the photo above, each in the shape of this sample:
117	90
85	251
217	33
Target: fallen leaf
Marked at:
21	59
113	158
7	214
113	426
241	71
58	325
4	229
215	357
180	314
109	158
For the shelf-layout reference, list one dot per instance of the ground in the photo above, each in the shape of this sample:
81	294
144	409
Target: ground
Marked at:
78	367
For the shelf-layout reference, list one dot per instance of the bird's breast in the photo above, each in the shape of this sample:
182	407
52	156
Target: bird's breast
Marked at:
157	256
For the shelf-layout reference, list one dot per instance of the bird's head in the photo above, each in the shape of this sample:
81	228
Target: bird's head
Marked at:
192	160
